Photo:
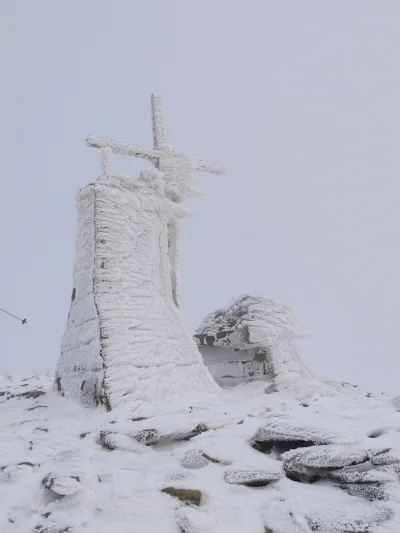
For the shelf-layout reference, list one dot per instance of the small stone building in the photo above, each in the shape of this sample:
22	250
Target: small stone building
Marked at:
251	339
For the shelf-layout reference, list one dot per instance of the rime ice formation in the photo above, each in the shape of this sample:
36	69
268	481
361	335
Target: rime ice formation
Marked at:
252	339
125	341
177	167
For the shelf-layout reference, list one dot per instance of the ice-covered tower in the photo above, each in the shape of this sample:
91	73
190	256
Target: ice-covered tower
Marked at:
125	341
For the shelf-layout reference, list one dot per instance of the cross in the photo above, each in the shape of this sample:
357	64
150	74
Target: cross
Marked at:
160	149
176	166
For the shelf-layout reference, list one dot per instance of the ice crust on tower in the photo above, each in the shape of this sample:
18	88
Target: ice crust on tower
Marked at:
125	341
252	339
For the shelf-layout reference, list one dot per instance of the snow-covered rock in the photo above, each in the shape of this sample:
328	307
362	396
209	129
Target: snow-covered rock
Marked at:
251	478
386	457
62	485
326	456
119	488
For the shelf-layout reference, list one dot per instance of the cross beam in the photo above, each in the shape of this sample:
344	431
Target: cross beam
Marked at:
160	149
151	155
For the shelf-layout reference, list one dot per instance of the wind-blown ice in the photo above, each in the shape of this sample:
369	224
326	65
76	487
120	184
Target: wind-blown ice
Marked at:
251	322
125	341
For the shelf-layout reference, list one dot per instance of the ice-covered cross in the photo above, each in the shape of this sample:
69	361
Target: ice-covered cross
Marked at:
176	166
173	163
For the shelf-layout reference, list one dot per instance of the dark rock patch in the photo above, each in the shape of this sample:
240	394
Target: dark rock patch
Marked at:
148	436
211	459
185	495
303	474
153	436
106	440
62	485
58	382
32	394
45	529
37	407
280	446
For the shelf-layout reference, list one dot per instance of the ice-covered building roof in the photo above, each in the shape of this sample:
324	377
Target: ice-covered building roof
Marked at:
249	321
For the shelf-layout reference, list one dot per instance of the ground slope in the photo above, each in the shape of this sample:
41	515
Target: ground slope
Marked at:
253	462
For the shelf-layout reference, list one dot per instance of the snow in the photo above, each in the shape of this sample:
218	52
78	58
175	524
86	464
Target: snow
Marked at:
253	322
51	441
125	343
331	456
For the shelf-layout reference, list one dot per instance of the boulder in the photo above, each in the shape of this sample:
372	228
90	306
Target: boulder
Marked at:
119	441
363	476
326	456
185	495
62	485
290	434
252	478
152	436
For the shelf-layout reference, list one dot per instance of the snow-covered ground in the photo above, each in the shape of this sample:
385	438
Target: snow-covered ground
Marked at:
251	462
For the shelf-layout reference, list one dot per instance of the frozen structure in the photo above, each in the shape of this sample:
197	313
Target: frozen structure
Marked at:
125	341
252	339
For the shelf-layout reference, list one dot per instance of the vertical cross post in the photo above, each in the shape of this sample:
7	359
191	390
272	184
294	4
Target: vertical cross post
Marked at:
104	160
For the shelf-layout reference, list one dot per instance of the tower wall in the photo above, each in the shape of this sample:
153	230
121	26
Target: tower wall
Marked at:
125	341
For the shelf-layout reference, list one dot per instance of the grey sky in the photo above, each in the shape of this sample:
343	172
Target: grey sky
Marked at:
300	100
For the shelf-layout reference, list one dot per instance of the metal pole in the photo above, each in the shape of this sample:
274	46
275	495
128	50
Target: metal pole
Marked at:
22	320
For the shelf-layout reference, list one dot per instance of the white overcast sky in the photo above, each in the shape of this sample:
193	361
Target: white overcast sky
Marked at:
299	99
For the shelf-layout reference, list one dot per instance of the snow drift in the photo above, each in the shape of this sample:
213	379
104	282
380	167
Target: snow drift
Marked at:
251	462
